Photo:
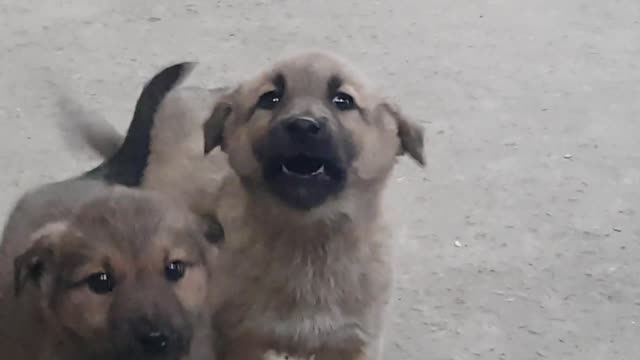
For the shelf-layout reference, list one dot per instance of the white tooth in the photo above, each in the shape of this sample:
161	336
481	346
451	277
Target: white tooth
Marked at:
289	172
319	171
285	170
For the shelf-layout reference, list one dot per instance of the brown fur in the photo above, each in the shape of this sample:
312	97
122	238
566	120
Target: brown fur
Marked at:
315	281
176	165
310	281
47	310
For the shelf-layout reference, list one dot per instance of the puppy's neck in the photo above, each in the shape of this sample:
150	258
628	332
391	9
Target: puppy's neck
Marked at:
254	217
353	207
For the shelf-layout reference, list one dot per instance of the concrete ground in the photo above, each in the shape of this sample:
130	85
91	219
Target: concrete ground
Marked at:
521	236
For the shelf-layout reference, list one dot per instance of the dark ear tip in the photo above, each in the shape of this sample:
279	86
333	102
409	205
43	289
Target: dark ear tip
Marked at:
214	127
209	145
19	276
417	150
29	267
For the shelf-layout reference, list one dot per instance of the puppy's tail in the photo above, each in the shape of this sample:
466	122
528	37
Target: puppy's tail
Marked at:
83	129
125	163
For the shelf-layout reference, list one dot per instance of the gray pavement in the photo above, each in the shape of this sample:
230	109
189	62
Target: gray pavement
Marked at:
520	238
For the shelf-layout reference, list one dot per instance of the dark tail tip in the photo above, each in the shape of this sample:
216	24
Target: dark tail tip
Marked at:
127	165
152	96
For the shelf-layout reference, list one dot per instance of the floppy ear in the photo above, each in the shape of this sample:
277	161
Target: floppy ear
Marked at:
31	266
410	133
214	126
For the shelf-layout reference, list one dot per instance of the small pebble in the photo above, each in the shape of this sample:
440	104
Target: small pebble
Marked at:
457	243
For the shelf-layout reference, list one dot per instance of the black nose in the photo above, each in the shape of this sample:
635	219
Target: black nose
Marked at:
303	126
154	342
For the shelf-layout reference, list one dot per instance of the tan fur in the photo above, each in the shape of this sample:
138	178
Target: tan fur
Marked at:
308	286
130	234
176	164
307	282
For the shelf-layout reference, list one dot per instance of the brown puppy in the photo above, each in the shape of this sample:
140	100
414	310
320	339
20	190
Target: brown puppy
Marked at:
307	256
162	149
91	236
306	264
123	276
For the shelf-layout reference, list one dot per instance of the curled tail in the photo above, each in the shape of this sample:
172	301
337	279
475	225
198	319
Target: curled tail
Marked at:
125	164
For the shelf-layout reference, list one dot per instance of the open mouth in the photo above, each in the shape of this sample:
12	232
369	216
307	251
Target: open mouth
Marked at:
304	181
303	166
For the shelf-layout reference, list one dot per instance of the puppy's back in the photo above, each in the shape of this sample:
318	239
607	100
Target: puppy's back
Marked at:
40	206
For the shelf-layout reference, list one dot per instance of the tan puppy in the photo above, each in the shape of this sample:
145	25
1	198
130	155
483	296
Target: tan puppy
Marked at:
163	146
103	272
307	256
306	263
122	276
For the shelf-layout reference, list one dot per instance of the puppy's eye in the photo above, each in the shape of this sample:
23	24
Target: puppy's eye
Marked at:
175	270
343	101
100	283
269	100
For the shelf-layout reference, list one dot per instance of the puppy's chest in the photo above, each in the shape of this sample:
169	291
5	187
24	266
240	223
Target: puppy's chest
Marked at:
314	295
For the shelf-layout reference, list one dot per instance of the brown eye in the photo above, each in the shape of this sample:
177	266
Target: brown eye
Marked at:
343	101
269	100
100	283
175	270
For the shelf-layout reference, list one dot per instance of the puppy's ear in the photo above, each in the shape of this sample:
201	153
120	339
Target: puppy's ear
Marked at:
33	264
214	126
410	133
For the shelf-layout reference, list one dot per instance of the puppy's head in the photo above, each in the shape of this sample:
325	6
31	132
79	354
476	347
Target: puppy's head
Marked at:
123	278
309	128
